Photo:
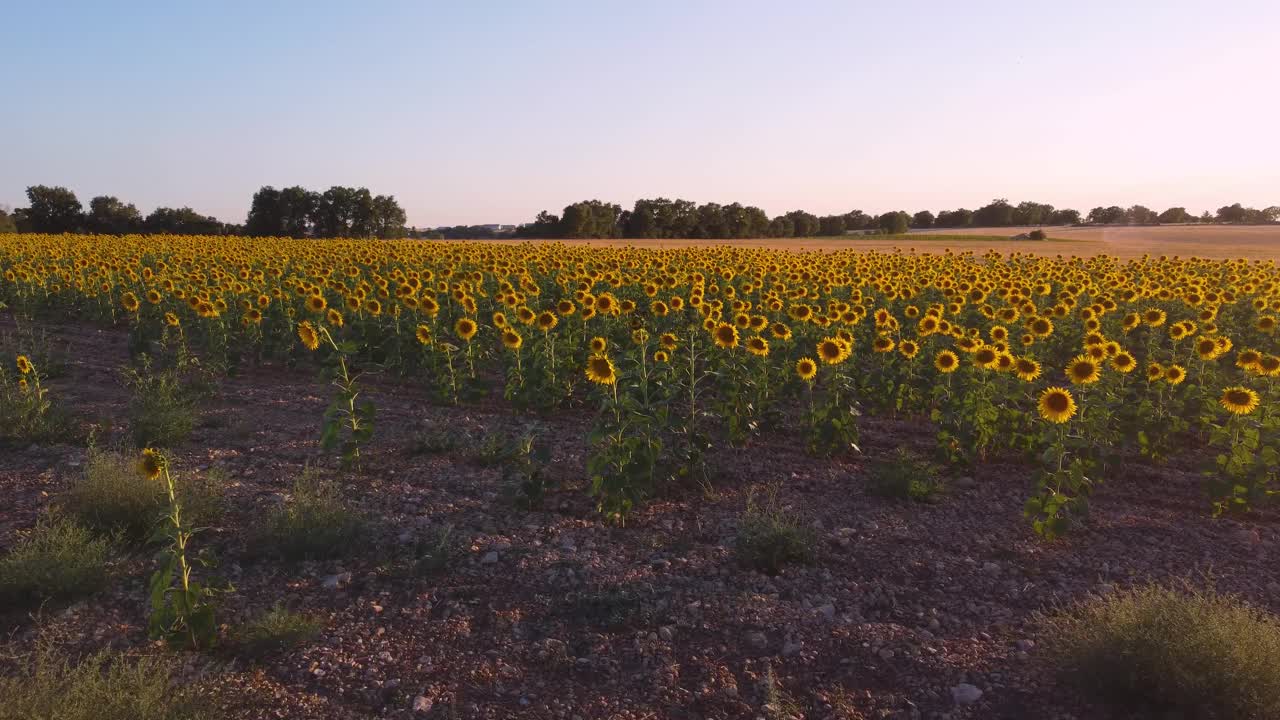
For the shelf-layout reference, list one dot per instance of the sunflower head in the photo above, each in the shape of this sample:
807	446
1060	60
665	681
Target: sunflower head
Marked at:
1026	368
1056	405
806	368
333	317
946	362
129	302
316	303
883	344
598	345
758	346
171	319
1175	374
1083	370
909	348
1239	400
511	339
24	365
465	328
832	350
151	464
661	356
547	320
985	357
600	370
1123	362
423	333
308	335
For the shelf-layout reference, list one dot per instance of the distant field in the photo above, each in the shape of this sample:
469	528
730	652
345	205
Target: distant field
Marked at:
1208	241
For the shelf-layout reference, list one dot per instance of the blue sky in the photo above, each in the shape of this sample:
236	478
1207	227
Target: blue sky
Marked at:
490	111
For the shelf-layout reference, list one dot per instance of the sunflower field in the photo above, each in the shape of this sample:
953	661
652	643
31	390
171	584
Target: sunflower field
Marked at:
1071	366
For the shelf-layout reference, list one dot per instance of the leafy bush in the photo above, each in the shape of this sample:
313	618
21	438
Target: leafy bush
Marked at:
103	686
58	559
27	413
1193	651
904	475
769	536
314	523
162	411
1037	235
276	630
112	496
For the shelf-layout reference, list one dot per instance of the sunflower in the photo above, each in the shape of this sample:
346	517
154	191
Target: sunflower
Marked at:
511	339
1124	362
1266	323
661	356
598	345
154	297
985	357
252	316
780	331
1026	368
499	319
668	341
1239	400
465	328
946	362
600	370
640	336
883	344
832	350
726	335
308	335
129	302
758	346
1175	374
1269	366
150	464
316	303
1206	348
334	317
1154	317
806	368
1057	405
1041	327
24	365
547	321
423	333
908	348
1155	371
171	320
565	307
1083	370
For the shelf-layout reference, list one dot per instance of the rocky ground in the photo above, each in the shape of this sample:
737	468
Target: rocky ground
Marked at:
909	610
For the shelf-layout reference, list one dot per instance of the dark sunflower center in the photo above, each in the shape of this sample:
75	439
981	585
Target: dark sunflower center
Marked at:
1057	402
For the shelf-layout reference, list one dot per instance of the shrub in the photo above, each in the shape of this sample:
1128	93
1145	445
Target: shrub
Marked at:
315	523
904	475
1192	651
27	413
103	686
276	630
57	560
112	496
424	556
769	536
1037	235
162	412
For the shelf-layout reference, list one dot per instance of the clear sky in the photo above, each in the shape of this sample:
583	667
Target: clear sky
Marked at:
473	112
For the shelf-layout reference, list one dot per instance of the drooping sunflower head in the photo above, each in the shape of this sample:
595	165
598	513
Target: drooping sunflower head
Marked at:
171	319
1084	370
129	302
946	362
726	335
465	328
806	368
598	345
1056	405
150	464
1248	359
334	317
308	335
600	370
423	333
1239	400
24	365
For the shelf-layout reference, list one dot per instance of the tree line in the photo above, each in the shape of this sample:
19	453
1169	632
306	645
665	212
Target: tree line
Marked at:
664	218
356	212
290	212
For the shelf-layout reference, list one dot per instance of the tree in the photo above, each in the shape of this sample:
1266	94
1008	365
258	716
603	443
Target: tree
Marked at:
831	226
711	222
109	216
544	225
53	210
922	220
954	218
7	224
1032	213
1175	215
182	221
1271	214
997	214
803	224
1106	216
1065	217
388	217
782	226
1232	213
1140	215
894	223
858	220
